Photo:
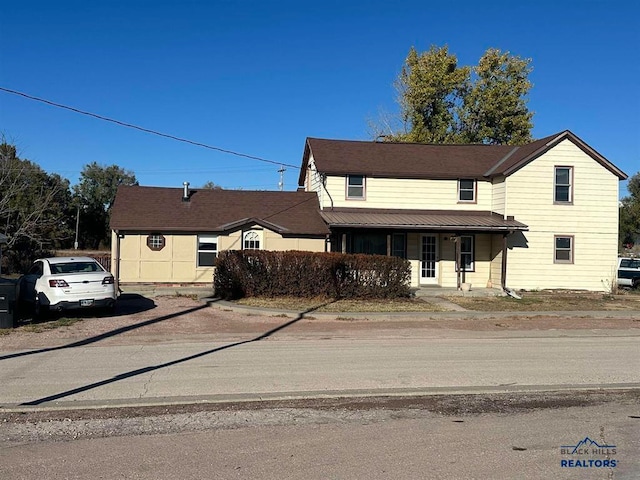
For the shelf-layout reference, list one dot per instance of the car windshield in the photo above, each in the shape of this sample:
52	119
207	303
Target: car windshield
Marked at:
75	267
629	263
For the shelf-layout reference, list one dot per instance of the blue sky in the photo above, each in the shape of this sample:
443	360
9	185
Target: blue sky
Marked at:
258	77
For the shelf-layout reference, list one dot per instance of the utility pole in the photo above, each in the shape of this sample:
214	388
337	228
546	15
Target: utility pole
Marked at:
75	244
281	182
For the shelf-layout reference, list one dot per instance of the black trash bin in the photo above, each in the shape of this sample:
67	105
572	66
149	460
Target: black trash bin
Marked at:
8	302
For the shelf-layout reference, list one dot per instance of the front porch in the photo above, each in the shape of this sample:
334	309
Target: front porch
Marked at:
452	260
445	249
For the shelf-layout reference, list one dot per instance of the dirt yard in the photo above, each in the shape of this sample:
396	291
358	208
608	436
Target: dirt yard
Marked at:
181	318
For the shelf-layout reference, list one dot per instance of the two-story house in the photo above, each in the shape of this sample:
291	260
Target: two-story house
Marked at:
538	216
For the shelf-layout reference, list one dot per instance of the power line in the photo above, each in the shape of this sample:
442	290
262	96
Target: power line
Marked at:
142	129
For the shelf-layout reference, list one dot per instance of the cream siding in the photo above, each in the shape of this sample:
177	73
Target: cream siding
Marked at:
276	242
498	195
413	255
409	194
496	261
592	219
177	261
313	181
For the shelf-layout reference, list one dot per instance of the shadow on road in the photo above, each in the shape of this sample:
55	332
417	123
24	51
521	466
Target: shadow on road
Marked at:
152	368
112	333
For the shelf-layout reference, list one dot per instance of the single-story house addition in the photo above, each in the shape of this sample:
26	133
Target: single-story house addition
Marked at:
538	216
173	235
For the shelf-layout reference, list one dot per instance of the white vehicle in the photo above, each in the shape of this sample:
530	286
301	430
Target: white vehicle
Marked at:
63	283
629	272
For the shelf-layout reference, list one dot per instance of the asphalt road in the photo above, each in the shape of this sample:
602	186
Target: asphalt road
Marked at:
480	436
291	367
449	439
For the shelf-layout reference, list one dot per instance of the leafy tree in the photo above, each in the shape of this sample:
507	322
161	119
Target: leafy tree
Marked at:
442	102
630	213
211	186
94	196
35	209
494	108
430	87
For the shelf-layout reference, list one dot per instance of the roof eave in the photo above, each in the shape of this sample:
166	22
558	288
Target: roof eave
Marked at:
579	143
305	163
477	228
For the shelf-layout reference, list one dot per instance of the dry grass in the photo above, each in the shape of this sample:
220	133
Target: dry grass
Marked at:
329	305
530	302
551	301
53	324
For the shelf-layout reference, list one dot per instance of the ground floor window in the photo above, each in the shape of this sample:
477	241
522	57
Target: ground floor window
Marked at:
207	250
563	249
155	241
399	245
467	256
369	243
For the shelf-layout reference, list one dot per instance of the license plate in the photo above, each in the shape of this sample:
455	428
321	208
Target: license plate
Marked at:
86	303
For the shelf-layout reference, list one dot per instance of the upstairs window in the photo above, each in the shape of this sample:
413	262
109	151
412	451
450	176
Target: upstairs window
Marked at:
207	250
355	187
466	190
251	240
563	192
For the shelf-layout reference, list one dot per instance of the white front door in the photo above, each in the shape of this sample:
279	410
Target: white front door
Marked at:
429	259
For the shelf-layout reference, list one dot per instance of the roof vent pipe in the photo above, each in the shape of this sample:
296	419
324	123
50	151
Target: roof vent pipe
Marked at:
185	192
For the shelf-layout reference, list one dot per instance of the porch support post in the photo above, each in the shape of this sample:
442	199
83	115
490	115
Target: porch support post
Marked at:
116	265
458	261
343	248
388	245
503	275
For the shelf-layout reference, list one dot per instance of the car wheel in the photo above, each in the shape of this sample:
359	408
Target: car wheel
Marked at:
40	312
636	283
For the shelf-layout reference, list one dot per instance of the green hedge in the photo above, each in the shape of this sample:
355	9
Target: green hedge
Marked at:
251	273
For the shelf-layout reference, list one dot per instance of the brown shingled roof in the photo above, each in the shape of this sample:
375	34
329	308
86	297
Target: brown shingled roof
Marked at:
484	221
418	160
216	211
531	151
404	160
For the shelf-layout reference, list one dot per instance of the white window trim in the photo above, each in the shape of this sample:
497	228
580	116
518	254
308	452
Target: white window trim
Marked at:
474	190
472	267
203	239
257	236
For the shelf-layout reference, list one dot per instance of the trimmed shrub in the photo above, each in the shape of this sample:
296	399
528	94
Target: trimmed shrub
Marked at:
250	273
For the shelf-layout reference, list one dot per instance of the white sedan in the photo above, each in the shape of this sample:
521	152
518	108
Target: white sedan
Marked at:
64	283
